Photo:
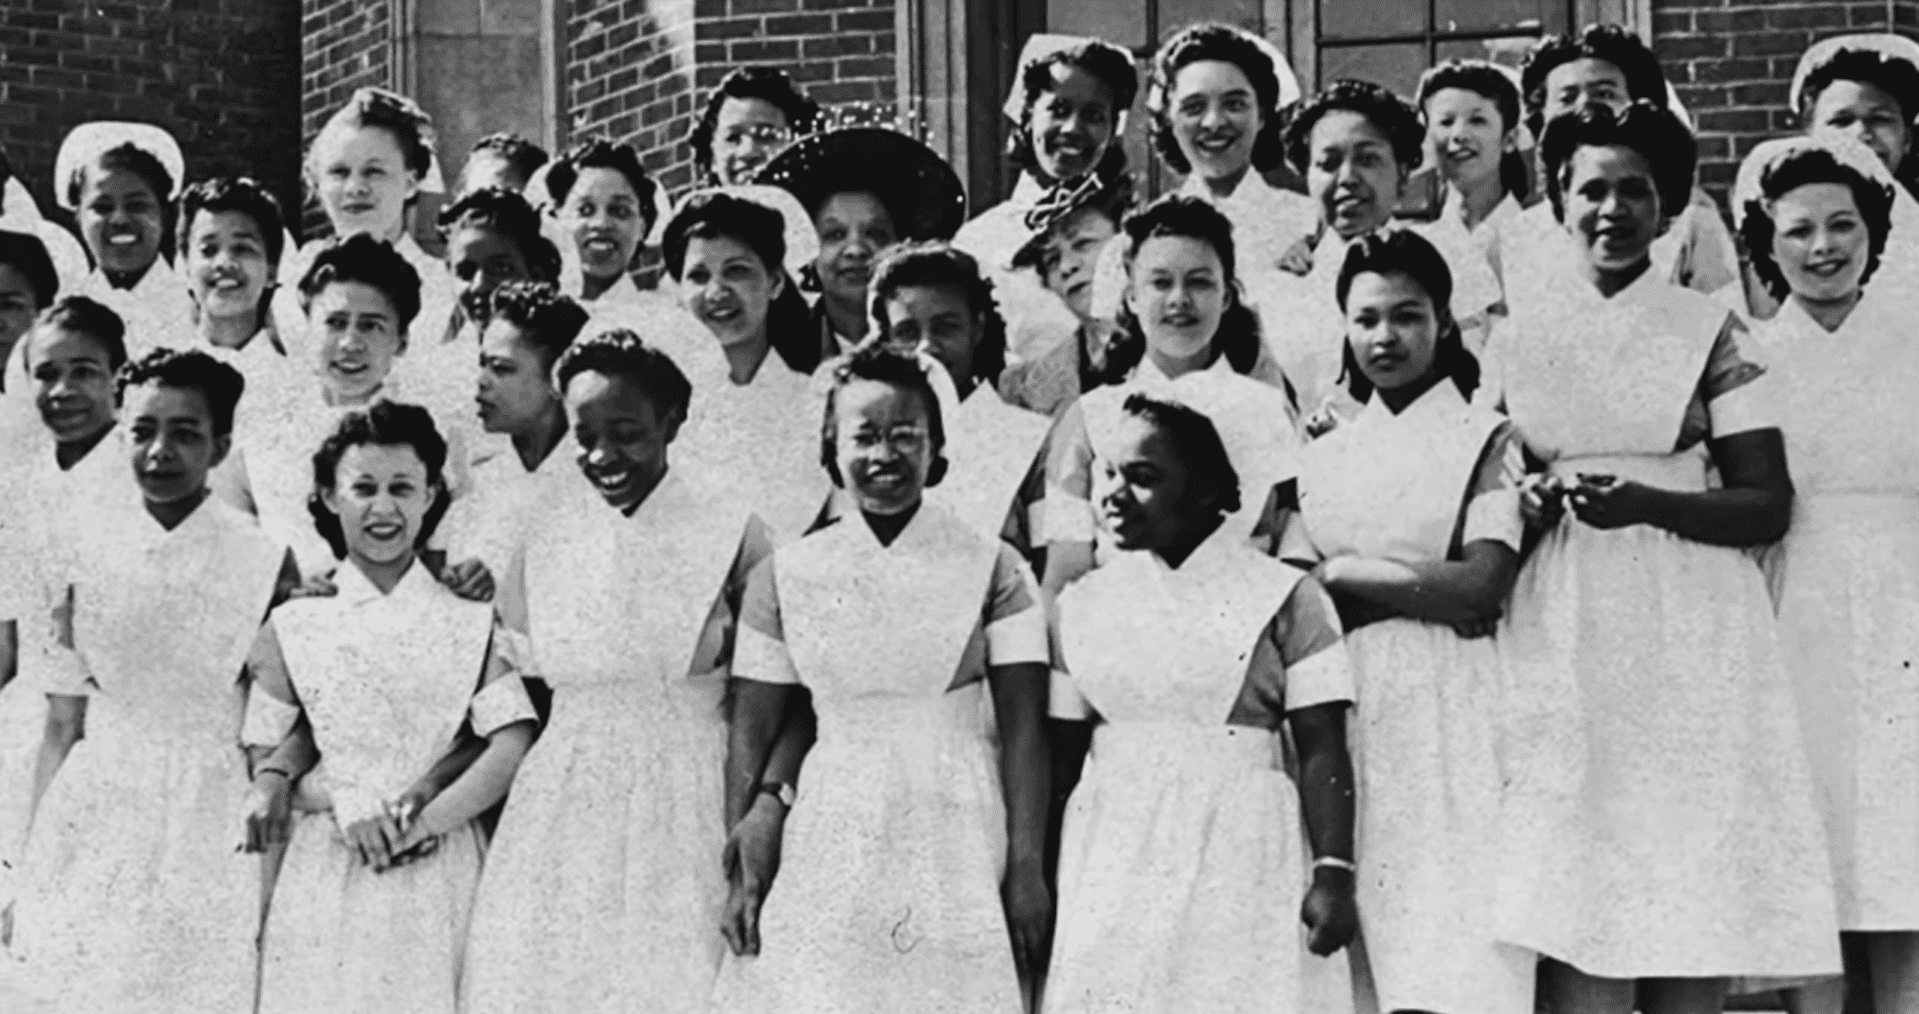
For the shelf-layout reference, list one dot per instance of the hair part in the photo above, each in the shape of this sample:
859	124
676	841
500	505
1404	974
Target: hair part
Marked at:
1177	215
394	113
506	212
84	316
381	424
937	263
1798	169
1405	252
192	370
1484	78
876	362
599	153
361	258
1196	442
1112	65
548	320
235	194
1230	45
1392	115
621	353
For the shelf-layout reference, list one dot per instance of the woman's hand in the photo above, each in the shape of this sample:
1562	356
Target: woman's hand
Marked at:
373	841
269	810
1607	502
1321	422
469	579
1542	500
1329	912
752	860
1298	258
1029	915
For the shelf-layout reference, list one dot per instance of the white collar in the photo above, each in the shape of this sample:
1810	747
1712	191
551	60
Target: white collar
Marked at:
1148	372
356	589
1440	399
1454	211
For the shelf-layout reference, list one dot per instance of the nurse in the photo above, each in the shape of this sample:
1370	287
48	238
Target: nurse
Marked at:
1866	87
1816	213
754	113
1661	830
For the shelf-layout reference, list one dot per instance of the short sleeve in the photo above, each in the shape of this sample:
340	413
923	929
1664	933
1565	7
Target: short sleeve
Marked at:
1015	620
268	718
760	652
1064	701
1492	512
1491	392
1731	397
501	699
1069	479
1307	637
60	669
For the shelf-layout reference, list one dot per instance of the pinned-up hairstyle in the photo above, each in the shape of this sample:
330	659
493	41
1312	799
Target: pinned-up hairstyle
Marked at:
1611	43
221	385
1812	165
522	155
361	258
1103	60
1195	440
1394	116
25	253
876	362
127	157
381	424
768	84
549	320
1403	251
1230	45
1486	79
789	321
1651	130
1238	337
239	194
85	316
621	353
508	213
399	116
937	263
599	153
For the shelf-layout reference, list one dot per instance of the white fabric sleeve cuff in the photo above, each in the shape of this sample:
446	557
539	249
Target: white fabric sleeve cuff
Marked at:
1321	678
762	659
1018	638
1494	516
1743	409
500	704
267	720
1064	701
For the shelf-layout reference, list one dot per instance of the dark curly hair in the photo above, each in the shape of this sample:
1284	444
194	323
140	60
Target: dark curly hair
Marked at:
1178	215
548	320
25	253
1813	165
1652	131
875	361
81	315
361	258
768	84
621	353
1394	116
521	155
381	424
1103	60
235	193
1195	441
1231	45
599	153
1407	252
397	115
938	263
1611	43
221	385
789	321
508	213
1486	79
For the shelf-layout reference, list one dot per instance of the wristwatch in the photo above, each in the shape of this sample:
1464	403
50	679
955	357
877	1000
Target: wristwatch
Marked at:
786	794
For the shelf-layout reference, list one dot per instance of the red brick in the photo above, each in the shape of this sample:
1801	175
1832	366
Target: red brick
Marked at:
1733	120
1817	16
1771	43
1732	70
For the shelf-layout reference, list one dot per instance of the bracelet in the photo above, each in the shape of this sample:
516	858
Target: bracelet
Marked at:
1335	863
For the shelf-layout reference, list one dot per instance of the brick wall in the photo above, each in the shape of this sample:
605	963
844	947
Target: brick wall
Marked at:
222	75
1732	63
346	44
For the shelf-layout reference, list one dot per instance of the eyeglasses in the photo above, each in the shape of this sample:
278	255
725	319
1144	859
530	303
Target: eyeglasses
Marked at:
902	439
762	133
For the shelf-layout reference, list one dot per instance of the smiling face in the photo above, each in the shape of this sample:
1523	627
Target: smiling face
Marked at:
1072	123
606	220
1392	328
1469	135
482	257
936	321
1072	252
120	218
1353	174
170	430
18	306
883	444
1216	118
746	135
1866	113
854	227
1583	84
623	436
1612	206
72	383
1146	494
363	180
381	494
728	287
515	395
226	264
359	332
1820	241
1177	290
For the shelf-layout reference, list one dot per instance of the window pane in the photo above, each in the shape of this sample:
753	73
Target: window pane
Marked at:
1122	24
1370	19
1177	14
1498	15
1396	66
1509	51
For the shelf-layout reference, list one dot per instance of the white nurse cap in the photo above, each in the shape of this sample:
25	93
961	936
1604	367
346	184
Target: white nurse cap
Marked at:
1889	47
88	141
1039	46
1747	187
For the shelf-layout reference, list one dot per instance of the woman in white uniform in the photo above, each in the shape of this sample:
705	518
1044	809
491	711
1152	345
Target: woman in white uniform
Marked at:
753	113
604	882
1816	214
372	905
136	896
1409	515
1184	870
1661	830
